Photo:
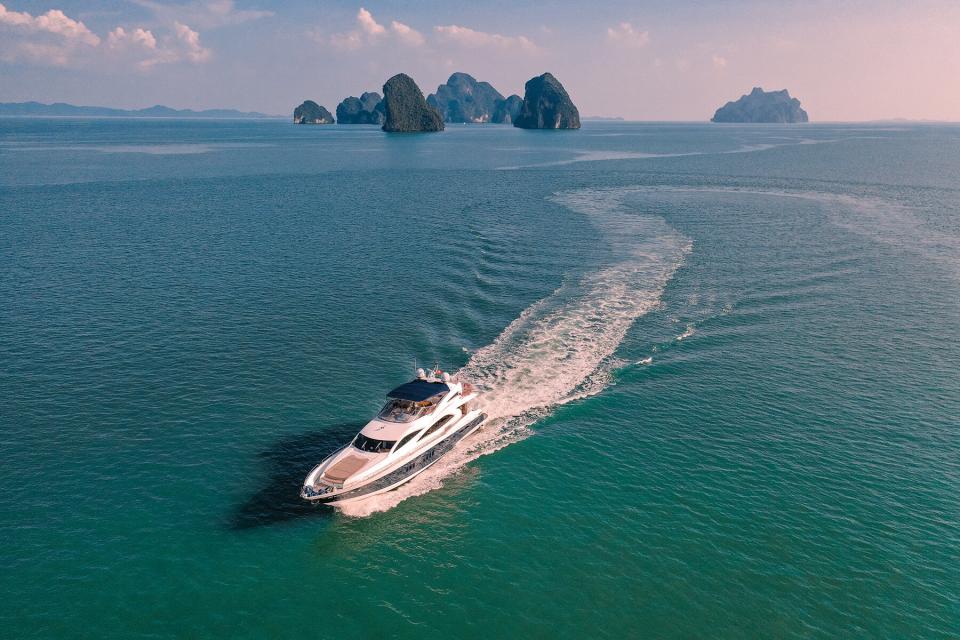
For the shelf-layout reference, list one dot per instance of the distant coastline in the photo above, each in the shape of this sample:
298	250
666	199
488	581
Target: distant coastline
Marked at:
35	109
62	109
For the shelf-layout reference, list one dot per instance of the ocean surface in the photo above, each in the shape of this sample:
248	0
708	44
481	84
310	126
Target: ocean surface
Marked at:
722	365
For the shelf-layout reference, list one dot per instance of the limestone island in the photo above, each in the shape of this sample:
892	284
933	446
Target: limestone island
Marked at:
546	105
462	99
405	108
507	110
367	109
465	100
311	113
762	106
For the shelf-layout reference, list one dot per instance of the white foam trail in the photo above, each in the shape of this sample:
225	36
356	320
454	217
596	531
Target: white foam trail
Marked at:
686	334
885	221
561	348
597	156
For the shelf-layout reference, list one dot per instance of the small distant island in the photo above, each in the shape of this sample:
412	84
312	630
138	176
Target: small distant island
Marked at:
461	100
311	113
62	110
762	106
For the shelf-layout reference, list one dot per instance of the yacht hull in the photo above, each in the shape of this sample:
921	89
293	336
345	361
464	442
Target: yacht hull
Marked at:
404	473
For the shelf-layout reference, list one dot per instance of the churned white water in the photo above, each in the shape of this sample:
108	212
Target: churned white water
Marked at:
561	348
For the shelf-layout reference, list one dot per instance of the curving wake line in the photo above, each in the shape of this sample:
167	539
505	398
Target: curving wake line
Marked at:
879	219
598	156
560	348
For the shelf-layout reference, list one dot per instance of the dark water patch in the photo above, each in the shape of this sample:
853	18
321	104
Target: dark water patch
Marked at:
288	461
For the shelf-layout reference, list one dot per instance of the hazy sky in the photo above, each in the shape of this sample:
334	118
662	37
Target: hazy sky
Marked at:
656	60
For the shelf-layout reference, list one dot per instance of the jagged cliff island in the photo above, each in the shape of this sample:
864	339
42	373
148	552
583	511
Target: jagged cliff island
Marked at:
463	99
507	110
367	109
762	106
546	105
311	113
405	108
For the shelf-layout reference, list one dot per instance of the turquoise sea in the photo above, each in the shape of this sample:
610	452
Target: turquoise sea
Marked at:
723	363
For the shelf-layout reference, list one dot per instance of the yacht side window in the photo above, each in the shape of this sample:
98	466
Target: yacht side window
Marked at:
436	425
406	439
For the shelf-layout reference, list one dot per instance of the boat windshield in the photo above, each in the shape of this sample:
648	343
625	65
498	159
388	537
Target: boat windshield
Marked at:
399	410
372	445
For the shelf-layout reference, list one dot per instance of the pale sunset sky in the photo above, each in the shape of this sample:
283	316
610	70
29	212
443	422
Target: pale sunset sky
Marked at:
656	60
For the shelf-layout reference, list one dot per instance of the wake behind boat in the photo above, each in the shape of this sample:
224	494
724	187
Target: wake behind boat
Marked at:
421	422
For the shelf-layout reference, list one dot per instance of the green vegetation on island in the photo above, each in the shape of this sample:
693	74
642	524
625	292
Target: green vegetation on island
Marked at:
463	99
367	109
507	110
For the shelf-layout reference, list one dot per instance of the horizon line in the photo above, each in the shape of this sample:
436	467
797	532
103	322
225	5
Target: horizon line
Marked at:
264	116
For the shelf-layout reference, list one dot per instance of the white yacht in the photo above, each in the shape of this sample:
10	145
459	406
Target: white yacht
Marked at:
421	421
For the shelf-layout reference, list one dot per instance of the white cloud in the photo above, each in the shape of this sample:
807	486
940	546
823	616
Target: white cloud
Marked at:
53	21
369	32
181	45
719	61
190	40
120	38
477	39
54	38
624	34
368	24
142	47
212	14
407	34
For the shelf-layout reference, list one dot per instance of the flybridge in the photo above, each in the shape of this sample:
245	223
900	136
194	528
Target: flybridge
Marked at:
419	390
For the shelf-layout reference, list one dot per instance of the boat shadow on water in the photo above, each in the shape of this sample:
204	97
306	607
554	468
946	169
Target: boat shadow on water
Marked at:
288	462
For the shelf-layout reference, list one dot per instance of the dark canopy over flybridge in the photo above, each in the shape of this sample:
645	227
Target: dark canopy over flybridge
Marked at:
418	390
